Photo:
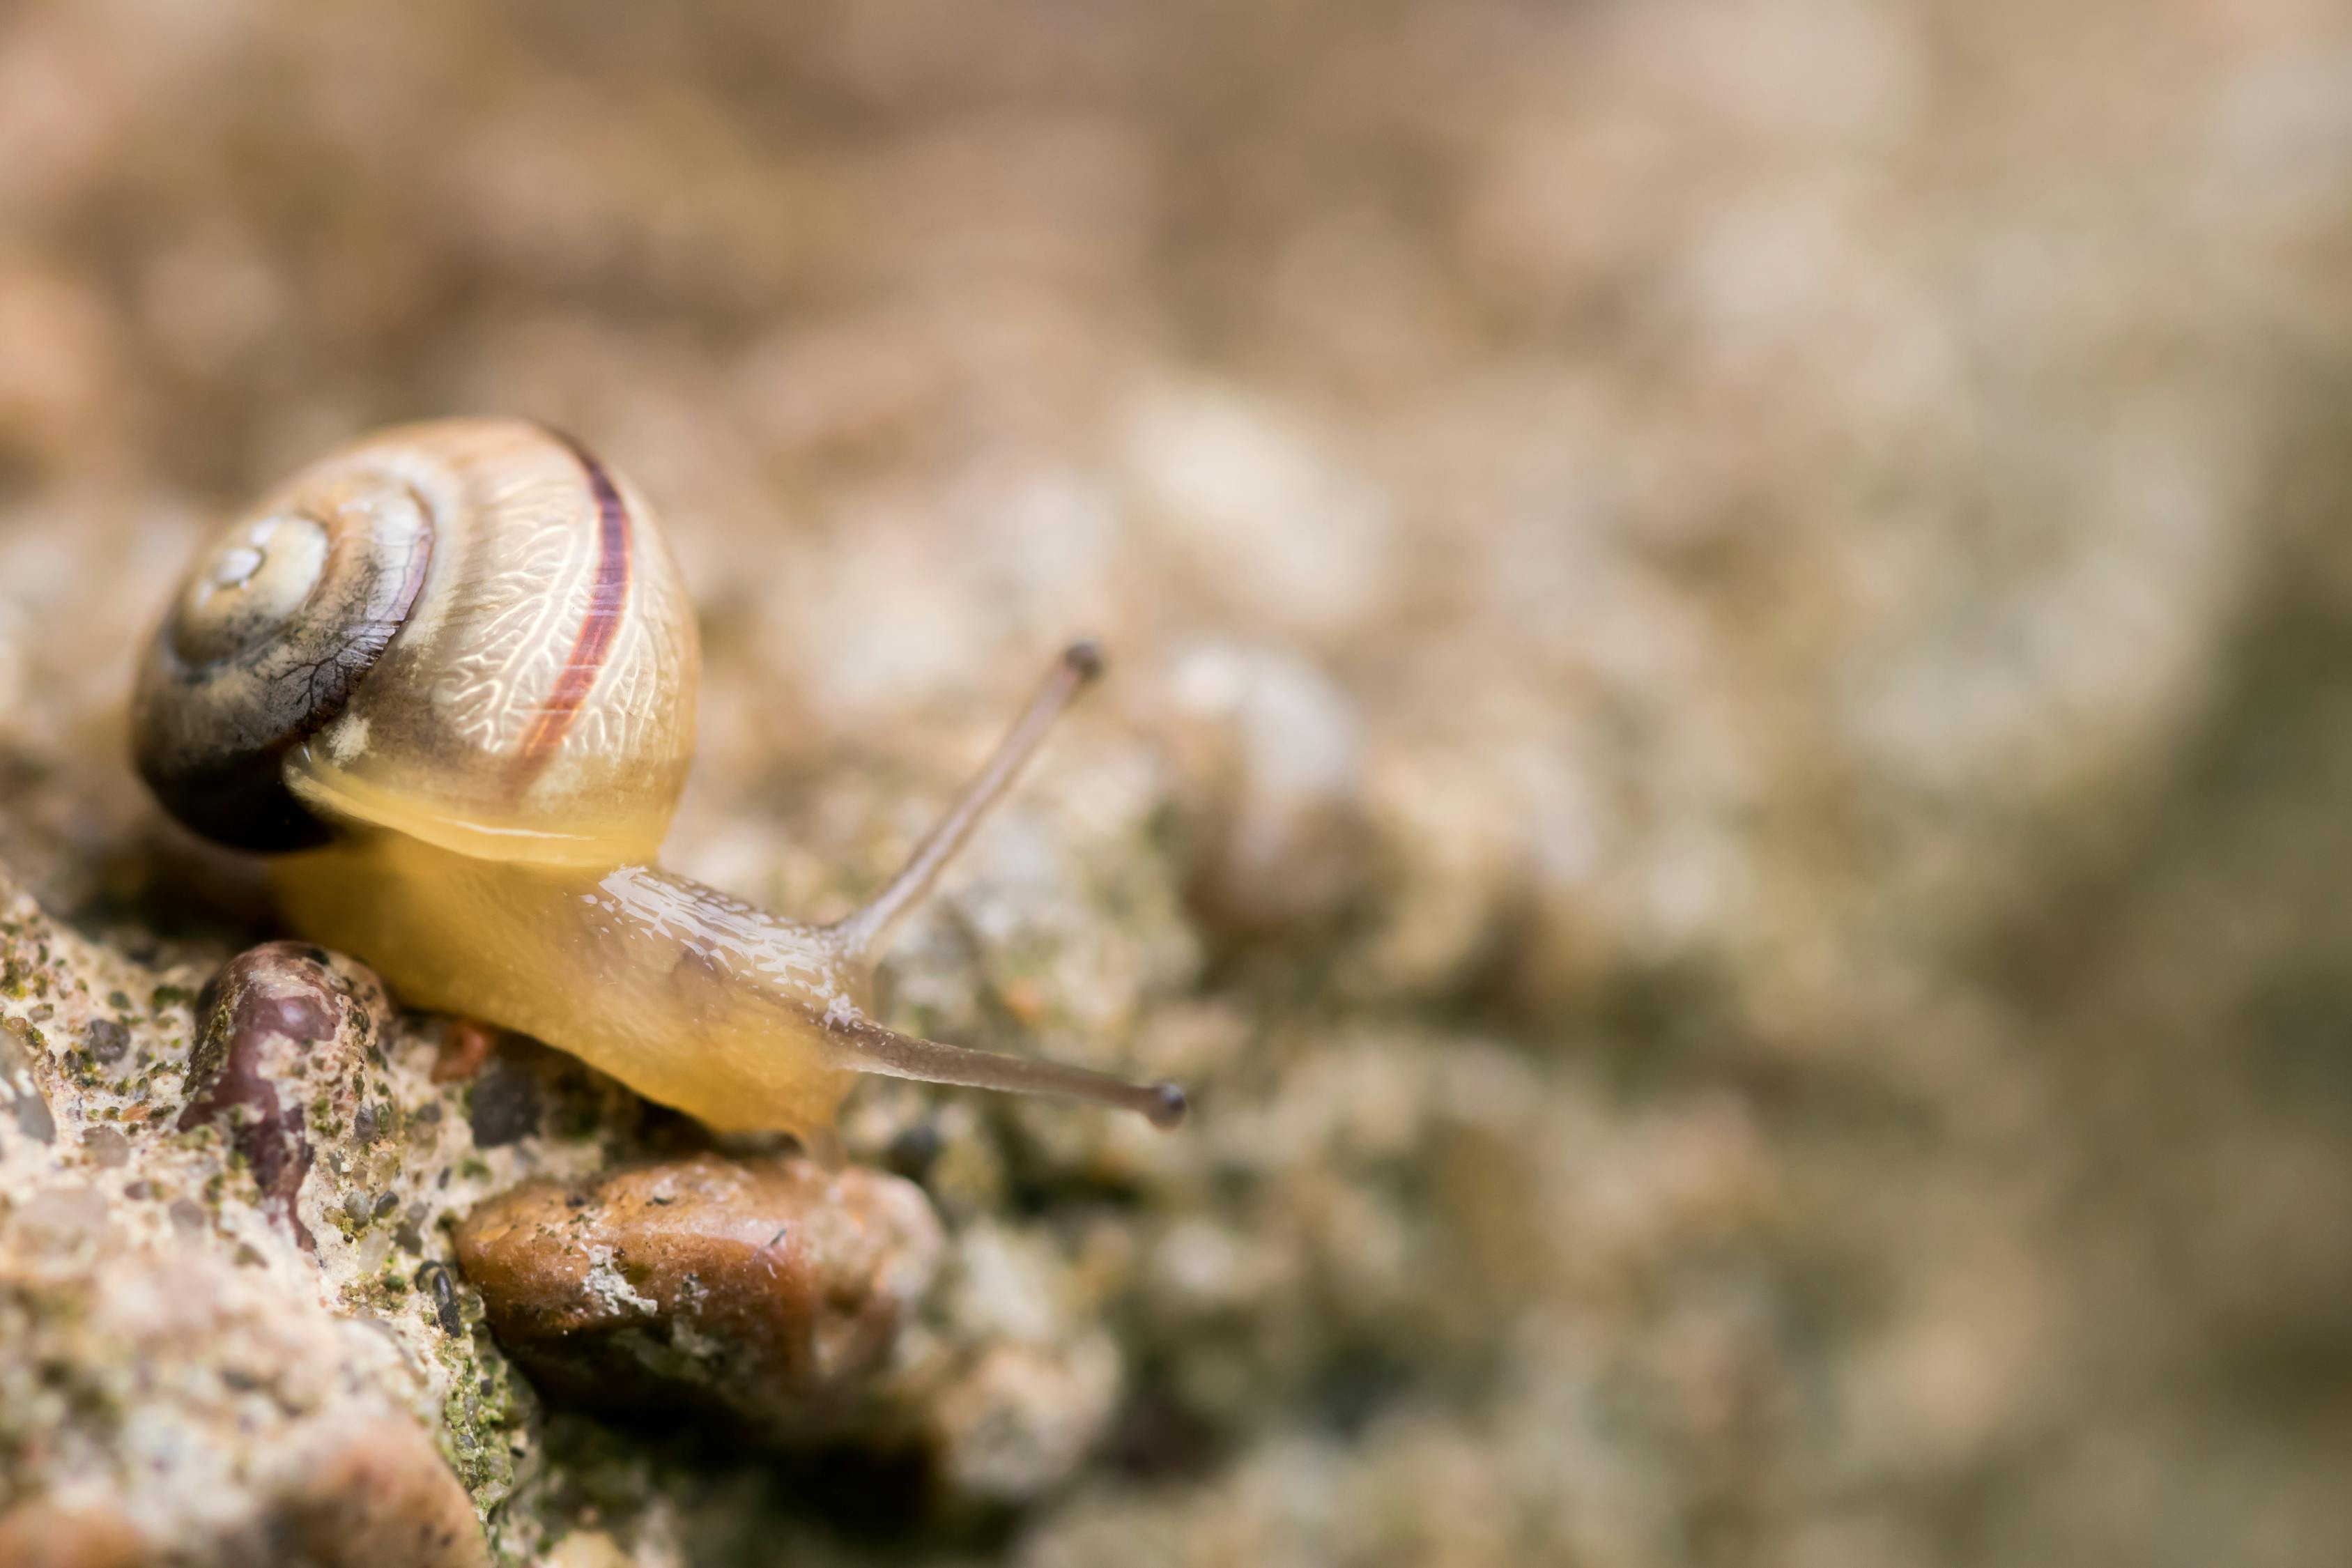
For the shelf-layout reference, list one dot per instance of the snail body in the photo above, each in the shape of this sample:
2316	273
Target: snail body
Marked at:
445	678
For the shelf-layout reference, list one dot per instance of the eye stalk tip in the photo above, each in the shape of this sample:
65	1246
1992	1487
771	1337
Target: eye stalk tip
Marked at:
1085	657
1168	1107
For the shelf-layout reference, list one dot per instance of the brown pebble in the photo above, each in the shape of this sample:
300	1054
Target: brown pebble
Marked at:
106	1146
464	1047
381	1498
44	1535
769	1286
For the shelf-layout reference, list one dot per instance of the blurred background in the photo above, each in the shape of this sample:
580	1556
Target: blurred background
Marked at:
1729	758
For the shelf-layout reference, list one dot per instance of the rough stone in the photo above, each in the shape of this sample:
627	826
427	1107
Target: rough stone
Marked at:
188	1348
212	1332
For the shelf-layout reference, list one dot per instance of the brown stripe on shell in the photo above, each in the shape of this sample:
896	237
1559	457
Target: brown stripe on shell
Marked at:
608	598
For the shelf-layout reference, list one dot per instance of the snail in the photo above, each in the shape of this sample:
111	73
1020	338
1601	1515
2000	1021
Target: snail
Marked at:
445	678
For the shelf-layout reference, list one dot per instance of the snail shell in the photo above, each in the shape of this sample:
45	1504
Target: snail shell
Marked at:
470	632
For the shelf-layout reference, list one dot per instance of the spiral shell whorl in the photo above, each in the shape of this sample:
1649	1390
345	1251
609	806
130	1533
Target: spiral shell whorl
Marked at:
280	619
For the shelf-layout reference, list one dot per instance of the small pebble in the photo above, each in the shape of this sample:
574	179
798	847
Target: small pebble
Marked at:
769	1286
506	1105
434	1280
106	1040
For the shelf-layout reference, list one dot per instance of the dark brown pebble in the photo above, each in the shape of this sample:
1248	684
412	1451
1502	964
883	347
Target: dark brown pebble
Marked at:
506	1105
434	1279
271	1013
914	1150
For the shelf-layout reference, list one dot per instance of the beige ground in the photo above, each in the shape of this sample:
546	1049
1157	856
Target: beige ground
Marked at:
1729	759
